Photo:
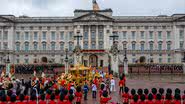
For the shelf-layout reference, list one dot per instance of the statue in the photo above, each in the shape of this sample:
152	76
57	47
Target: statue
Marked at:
95	6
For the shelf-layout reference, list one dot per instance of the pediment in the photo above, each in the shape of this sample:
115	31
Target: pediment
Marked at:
180	18
3	19
95	17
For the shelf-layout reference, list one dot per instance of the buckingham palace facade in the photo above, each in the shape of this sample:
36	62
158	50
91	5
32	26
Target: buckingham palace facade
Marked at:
44	39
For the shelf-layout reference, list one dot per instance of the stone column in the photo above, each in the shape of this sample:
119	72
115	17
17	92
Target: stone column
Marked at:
114	66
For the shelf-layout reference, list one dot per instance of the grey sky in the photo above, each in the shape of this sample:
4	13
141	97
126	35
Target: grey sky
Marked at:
66	7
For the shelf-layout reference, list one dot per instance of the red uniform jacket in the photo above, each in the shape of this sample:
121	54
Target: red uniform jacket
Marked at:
21	102
150	102
78	96
52	102
167	102
134	102
104	100
32	102
159	102
42	102
176	102
125	97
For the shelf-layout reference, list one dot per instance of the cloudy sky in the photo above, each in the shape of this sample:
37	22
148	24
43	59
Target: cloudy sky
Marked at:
66	7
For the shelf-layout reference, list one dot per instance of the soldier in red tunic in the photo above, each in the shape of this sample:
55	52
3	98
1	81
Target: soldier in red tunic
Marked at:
105	98
21	98
168	99
177	99
150	99
158	99
42	101
52	99
78	95
146	93
142	99
126	96
135	99
161	91
3	100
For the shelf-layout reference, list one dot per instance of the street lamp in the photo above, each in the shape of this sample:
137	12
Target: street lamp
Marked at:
66	61
125	60
8	59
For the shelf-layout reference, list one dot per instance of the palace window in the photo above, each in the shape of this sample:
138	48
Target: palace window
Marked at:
133	35
181	44
17	46
35	45
35	35
5	35
53	36
151	46
133	60
101	35
160	60
70	35
26	46
62	35
70	46
43	35
168	46
151	34
100	45
61	46
168	34
53	46
160	46
159	34
142	35
124	45
93	35
93	45
26	61
44	45
85	45
86	35
26	36
124	34
17	35
5	45
181	34
142	46
17	61
133	46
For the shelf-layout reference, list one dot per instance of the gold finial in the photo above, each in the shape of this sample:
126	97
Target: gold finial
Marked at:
95	6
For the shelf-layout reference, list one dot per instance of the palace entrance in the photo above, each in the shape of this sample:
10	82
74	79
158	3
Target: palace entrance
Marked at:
93	60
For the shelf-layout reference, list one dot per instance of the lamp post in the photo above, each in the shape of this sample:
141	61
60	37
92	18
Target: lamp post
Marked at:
7	64
125	62
66	62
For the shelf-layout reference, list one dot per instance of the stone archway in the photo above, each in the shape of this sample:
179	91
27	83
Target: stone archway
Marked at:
44	60
93	60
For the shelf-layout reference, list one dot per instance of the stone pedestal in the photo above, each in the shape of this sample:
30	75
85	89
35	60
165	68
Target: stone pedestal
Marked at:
77	59
66	68
114	66
183	68
125	68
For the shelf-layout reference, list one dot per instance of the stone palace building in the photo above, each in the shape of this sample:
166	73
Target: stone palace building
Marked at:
160	39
